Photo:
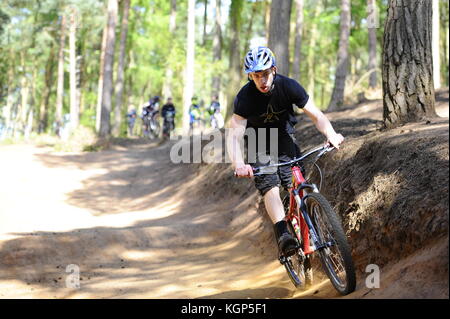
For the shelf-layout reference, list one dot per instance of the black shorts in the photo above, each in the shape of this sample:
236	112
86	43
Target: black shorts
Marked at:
273	177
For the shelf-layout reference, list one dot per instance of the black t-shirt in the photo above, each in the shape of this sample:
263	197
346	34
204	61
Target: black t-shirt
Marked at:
272	110
167	108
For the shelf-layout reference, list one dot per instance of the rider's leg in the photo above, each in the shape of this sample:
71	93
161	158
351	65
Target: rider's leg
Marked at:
273	204
274	207
269	187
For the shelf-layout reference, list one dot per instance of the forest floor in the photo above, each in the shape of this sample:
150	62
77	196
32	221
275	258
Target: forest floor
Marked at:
138	226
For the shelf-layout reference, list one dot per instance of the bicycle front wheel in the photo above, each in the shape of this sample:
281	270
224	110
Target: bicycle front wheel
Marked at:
335	253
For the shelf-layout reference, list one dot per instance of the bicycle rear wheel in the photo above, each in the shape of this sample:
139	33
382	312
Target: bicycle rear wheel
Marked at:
336	256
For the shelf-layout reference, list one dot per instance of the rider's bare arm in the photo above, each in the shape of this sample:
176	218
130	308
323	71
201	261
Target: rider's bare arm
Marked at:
235	136
322	124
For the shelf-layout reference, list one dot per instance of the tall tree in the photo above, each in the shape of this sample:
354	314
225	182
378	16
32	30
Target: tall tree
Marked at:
337	97
249	31
435	45
313	37
100	78
217	45
279	26
205	20
74	105
48	80
444	41
267	4
105	126
407	70
372	30
60	81
298	39
120	67
10	98
235	53
189	71
21	117
167	86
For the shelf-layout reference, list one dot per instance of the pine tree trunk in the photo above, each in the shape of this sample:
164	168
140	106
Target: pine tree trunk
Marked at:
9	100
235	54
298	39
337	97
188	91
311	54
100	79
447	52
444	42
372	65
107	94
205	21
248	32
279	27
43	109
120	68
217	46
167	87
267	19
407	70
435	45
21	115
60	84
74	107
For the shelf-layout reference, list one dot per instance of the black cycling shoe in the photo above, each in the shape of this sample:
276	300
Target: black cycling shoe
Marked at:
287	244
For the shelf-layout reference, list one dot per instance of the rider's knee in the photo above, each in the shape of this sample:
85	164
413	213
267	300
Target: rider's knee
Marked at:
269	191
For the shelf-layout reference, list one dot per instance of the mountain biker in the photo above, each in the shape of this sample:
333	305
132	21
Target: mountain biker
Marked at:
149	111
168	113
131	117
194	114
265	102
216	117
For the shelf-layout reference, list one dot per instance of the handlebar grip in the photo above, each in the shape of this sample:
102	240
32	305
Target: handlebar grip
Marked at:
255	172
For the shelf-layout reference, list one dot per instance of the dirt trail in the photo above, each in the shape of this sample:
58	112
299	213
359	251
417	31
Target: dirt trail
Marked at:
138	226
127	219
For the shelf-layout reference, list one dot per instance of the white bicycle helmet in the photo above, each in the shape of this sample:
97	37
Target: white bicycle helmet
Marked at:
259	59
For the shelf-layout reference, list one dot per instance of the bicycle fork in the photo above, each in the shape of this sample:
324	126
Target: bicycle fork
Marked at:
317	245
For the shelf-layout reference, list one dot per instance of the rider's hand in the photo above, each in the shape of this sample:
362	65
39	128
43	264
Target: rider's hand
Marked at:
243	170
335	140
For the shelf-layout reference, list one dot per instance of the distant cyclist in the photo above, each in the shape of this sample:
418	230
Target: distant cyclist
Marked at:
131	119
215	116
149	112
194	114
168	114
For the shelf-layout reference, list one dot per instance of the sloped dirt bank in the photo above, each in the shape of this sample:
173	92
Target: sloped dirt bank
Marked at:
391	188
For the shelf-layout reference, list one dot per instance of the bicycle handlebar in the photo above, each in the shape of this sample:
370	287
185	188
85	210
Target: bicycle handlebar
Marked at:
322	150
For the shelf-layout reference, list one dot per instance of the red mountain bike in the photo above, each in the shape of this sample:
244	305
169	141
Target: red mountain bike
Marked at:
317	227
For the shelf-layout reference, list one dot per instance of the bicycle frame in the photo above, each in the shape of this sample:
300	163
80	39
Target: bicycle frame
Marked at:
302	224
298	215
307	223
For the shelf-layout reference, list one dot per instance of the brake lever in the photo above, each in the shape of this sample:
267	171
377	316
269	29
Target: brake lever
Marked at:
326	149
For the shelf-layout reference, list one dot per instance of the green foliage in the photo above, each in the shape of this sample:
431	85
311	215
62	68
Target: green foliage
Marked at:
4	19
87	118
30	30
